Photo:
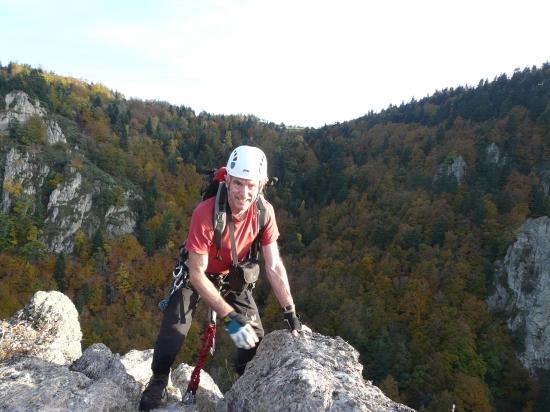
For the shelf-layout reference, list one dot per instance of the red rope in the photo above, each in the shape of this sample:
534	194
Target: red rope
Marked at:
207	340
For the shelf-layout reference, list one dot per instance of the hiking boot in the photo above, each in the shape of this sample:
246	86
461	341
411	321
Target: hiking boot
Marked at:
153	393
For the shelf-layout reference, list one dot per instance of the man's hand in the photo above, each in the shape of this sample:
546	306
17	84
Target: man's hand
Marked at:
240	330
294	323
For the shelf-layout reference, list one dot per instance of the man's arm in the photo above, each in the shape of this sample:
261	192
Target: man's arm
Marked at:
197	265
276	274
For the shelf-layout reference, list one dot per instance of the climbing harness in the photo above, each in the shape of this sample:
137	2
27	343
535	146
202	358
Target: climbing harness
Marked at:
180	274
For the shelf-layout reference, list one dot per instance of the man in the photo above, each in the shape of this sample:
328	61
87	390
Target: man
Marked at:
245	180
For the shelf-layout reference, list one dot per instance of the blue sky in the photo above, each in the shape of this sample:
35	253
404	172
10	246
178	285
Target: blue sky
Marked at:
298	62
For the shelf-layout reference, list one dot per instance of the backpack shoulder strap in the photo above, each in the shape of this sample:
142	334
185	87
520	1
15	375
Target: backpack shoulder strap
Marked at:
261	210
220	216
261	204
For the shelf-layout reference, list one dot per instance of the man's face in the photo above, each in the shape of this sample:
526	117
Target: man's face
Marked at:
241	193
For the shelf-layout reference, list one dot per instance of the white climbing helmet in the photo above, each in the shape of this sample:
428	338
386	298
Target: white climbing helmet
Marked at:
248	162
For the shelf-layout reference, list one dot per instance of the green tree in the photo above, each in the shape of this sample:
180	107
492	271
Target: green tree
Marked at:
59	272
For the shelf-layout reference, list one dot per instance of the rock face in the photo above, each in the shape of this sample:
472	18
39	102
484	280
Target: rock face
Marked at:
71	208
545	181
138	365
39	371
70	205
522	292
455	167
97	382
20	108
42	366
310	373
494	155
24	174
47	328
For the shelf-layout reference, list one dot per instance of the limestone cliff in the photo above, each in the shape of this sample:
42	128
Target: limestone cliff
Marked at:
44	181
522	292
452	167
20	108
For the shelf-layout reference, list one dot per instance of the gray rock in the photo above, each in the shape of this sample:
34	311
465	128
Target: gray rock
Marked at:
19	107
138	365
98	362
522	292
121	220
47	328
55	134
208	394
494	156
23	172
32	384
455	167
68	207
309	373
545	181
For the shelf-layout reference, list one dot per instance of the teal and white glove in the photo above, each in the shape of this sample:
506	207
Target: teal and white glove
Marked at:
240	331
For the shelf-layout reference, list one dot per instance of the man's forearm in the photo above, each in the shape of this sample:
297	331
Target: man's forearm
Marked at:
279	283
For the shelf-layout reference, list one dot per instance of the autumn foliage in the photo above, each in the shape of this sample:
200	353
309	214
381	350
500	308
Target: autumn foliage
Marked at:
382	248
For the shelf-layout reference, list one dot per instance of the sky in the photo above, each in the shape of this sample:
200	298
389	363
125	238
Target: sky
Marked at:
297	62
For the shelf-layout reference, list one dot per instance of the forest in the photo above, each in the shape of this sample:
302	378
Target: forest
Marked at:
382	247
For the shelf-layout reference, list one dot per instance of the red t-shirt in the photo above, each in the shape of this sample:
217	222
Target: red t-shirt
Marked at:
201	234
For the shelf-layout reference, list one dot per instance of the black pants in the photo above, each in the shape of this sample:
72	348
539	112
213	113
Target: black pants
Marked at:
177	321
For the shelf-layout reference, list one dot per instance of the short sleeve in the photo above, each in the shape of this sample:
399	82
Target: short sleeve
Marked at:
201	230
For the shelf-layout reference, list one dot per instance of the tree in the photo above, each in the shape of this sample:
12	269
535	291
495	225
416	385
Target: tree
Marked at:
33	131
59	272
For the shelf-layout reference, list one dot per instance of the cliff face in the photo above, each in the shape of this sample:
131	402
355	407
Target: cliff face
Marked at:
19	108
41	367
72	197
454	168
522	292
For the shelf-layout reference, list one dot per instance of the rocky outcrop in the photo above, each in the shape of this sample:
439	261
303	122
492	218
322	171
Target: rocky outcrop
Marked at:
522	292
20	108
120	220
47	328
69	205
42	369
452	167
71	208
97	382
544	176
24	174
494	155
98	363
138	365
309	373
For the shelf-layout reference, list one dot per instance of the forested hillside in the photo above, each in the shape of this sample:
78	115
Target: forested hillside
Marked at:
391	224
